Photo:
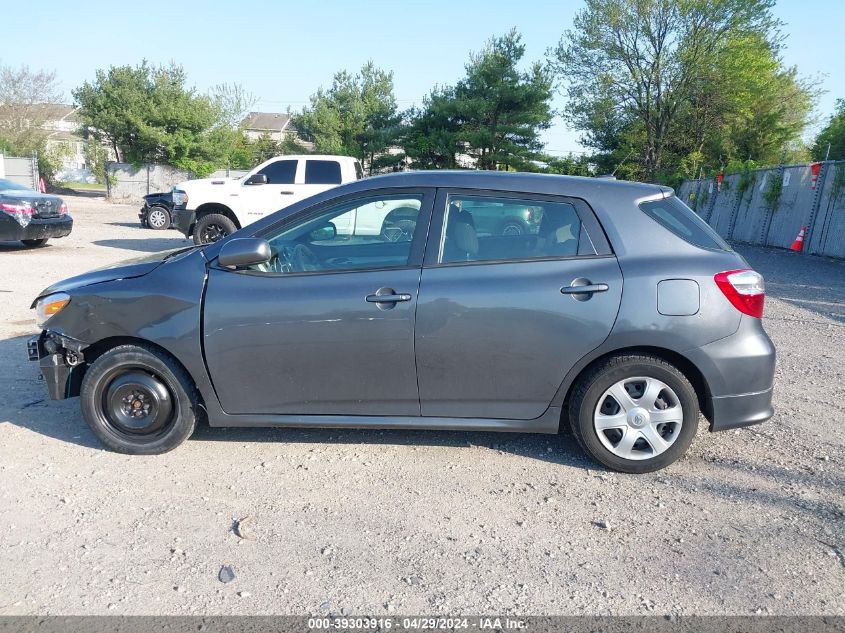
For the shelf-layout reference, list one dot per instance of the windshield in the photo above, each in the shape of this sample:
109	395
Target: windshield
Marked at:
8	185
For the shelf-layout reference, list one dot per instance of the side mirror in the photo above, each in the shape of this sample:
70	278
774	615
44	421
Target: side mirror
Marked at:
257	179
244	251
324	233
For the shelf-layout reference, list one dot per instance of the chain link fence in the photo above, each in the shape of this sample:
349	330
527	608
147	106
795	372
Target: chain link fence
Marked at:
769	207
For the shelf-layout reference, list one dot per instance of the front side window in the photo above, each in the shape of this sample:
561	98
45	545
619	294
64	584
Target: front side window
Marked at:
481	228
365	233
282	172
322	172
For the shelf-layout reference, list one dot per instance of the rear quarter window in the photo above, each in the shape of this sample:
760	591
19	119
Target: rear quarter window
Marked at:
675	216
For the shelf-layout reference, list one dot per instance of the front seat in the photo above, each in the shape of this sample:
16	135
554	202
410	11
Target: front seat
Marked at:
461	238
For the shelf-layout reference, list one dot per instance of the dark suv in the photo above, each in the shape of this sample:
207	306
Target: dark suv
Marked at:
622	316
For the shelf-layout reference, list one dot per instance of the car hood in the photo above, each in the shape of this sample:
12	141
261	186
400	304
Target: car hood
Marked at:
127	269
207	184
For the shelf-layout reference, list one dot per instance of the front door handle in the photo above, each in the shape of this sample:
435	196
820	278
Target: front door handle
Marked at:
287	193
388	298
584	289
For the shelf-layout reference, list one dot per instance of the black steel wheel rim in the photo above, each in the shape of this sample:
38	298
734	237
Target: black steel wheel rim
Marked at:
138	404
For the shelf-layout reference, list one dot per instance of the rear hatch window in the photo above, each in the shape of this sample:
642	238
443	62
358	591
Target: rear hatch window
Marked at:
674	215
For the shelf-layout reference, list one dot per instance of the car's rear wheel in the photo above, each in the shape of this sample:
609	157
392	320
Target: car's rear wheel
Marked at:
138	400
634	414
213	227
158	218
35	243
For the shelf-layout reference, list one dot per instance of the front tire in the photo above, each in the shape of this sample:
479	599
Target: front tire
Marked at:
634	413
35	243
139	401
158	218
213	227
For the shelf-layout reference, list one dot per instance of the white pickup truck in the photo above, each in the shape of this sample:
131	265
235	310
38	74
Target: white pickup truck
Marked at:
212	208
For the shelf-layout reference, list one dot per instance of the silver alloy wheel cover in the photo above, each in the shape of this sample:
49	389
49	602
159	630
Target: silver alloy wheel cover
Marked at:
156	213
638	419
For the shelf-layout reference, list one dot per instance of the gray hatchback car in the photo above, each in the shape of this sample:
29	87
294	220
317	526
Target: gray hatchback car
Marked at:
617	313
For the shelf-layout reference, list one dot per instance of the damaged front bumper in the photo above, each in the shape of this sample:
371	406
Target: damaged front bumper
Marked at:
57	356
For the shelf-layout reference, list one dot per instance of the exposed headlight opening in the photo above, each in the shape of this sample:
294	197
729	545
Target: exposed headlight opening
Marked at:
179	197
49	306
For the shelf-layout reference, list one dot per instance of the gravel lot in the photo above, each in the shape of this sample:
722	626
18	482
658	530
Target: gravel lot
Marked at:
370	522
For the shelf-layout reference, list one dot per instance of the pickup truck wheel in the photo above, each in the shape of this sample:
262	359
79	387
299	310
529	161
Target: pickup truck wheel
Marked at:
213	227
34	243
138	400
511	228
158	218
634	413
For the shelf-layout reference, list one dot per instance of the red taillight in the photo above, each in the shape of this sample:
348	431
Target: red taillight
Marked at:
744	289
62	209
15	209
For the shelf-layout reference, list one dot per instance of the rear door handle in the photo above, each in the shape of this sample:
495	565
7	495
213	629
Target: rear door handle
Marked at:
584	289
396	298
287	193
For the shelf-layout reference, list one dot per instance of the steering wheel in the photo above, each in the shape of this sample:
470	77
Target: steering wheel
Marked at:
280	262
303	259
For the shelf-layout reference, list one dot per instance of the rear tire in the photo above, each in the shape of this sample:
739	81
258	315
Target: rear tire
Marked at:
139	401
35	243
649	424
213	227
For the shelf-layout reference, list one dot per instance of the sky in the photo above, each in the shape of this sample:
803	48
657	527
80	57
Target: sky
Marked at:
281	52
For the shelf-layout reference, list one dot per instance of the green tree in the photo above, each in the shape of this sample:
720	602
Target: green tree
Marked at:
493	116
149	114
432	138
27	98
500	109
746	106
357	116
570	165
832	135
658	76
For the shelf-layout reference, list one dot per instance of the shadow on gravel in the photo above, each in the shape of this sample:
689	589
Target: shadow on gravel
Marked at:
815	284
12	247
564	449
146	245
815	496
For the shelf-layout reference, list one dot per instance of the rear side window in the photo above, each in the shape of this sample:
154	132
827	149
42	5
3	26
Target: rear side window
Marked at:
322	172
674	215
282	172
481	228
359	171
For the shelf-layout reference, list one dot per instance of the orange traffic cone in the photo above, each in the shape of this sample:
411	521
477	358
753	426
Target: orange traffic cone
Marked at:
798	244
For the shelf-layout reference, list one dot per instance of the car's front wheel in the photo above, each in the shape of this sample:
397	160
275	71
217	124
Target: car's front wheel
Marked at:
138	400
213	227
158	218
634	413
